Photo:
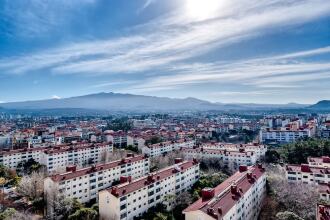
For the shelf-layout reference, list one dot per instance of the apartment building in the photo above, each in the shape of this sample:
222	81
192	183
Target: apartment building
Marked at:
238	197
12	158
136	141
319	176
319	161
58	157
308	174
324	191
133	198
162	148
119	138
285	135
84	184
232	158
259	149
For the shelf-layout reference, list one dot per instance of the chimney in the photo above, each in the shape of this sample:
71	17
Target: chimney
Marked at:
220	211
207	193
178	160
242	168
321	209
130	155
326	159
305	168
233	189
125	179
114	191
150	178
71	168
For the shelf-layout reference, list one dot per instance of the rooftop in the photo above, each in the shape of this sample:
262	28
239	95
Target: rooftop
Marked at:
92	169
129	187
228	193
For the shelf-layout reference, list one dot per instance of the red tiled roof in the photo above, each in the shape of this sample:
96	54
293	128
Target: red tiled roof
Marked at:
97	168
54	149
323	159
126	188
217	151
224	199
306	168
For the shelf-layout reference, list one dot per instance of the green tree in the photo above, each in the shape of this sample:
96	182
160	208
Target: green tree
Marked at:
287	216
7	213
297	153
84	213
160	216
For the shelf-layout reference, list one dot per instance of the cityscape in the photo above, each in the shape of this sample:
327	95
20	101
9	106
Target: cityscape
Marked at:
165	110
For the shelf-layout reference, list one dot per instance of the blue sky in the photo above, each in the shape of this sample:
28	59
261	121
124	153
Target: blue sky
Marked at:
261	51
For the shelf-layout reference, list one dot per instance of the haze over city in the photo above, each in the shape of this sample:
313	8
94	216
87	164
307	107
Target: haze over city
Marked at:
270	51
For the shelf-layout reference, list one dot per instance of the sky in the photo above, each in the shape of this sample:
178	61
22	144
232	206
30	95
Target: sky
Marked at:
229	51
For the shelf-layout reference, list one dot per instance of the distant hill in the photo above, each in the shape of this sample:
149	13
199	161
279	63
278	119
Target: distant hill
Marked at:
324	104
128	102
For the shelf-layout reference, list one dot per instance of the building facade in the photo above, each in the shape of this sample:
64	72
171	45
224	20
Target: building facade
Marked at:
238	197
58	157
133	198
84	184
232	158
162	148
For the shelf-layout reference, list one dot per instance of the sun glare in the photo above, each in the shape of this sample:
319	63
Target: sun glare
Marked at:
202	9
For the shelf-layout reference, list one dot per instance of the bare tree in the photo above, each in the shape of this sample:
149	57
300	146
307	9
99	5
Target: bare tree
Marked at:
117	154
32	186
19	216
166	160
297	197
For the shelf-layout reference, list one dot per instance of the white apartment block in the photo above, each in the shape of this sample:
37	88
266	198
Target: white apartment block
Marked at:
12	158
237	198
283	135
324	191
259	149
308	174
231	158
136	141
84	184
162	148
318	176
119	139
319	161
58	157
133	198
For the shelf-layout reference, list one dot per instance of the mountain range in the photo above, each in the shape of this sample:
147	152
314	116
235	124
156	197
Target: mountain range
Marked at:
129	102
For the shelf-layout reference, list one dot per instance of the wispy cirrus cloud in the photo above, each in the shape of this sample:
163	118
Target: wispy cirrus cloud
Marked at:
170	39
279	71
35	18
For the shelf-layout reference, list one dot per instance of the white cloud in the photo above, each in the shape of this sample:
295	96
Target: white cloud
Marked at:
56	97
171	39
